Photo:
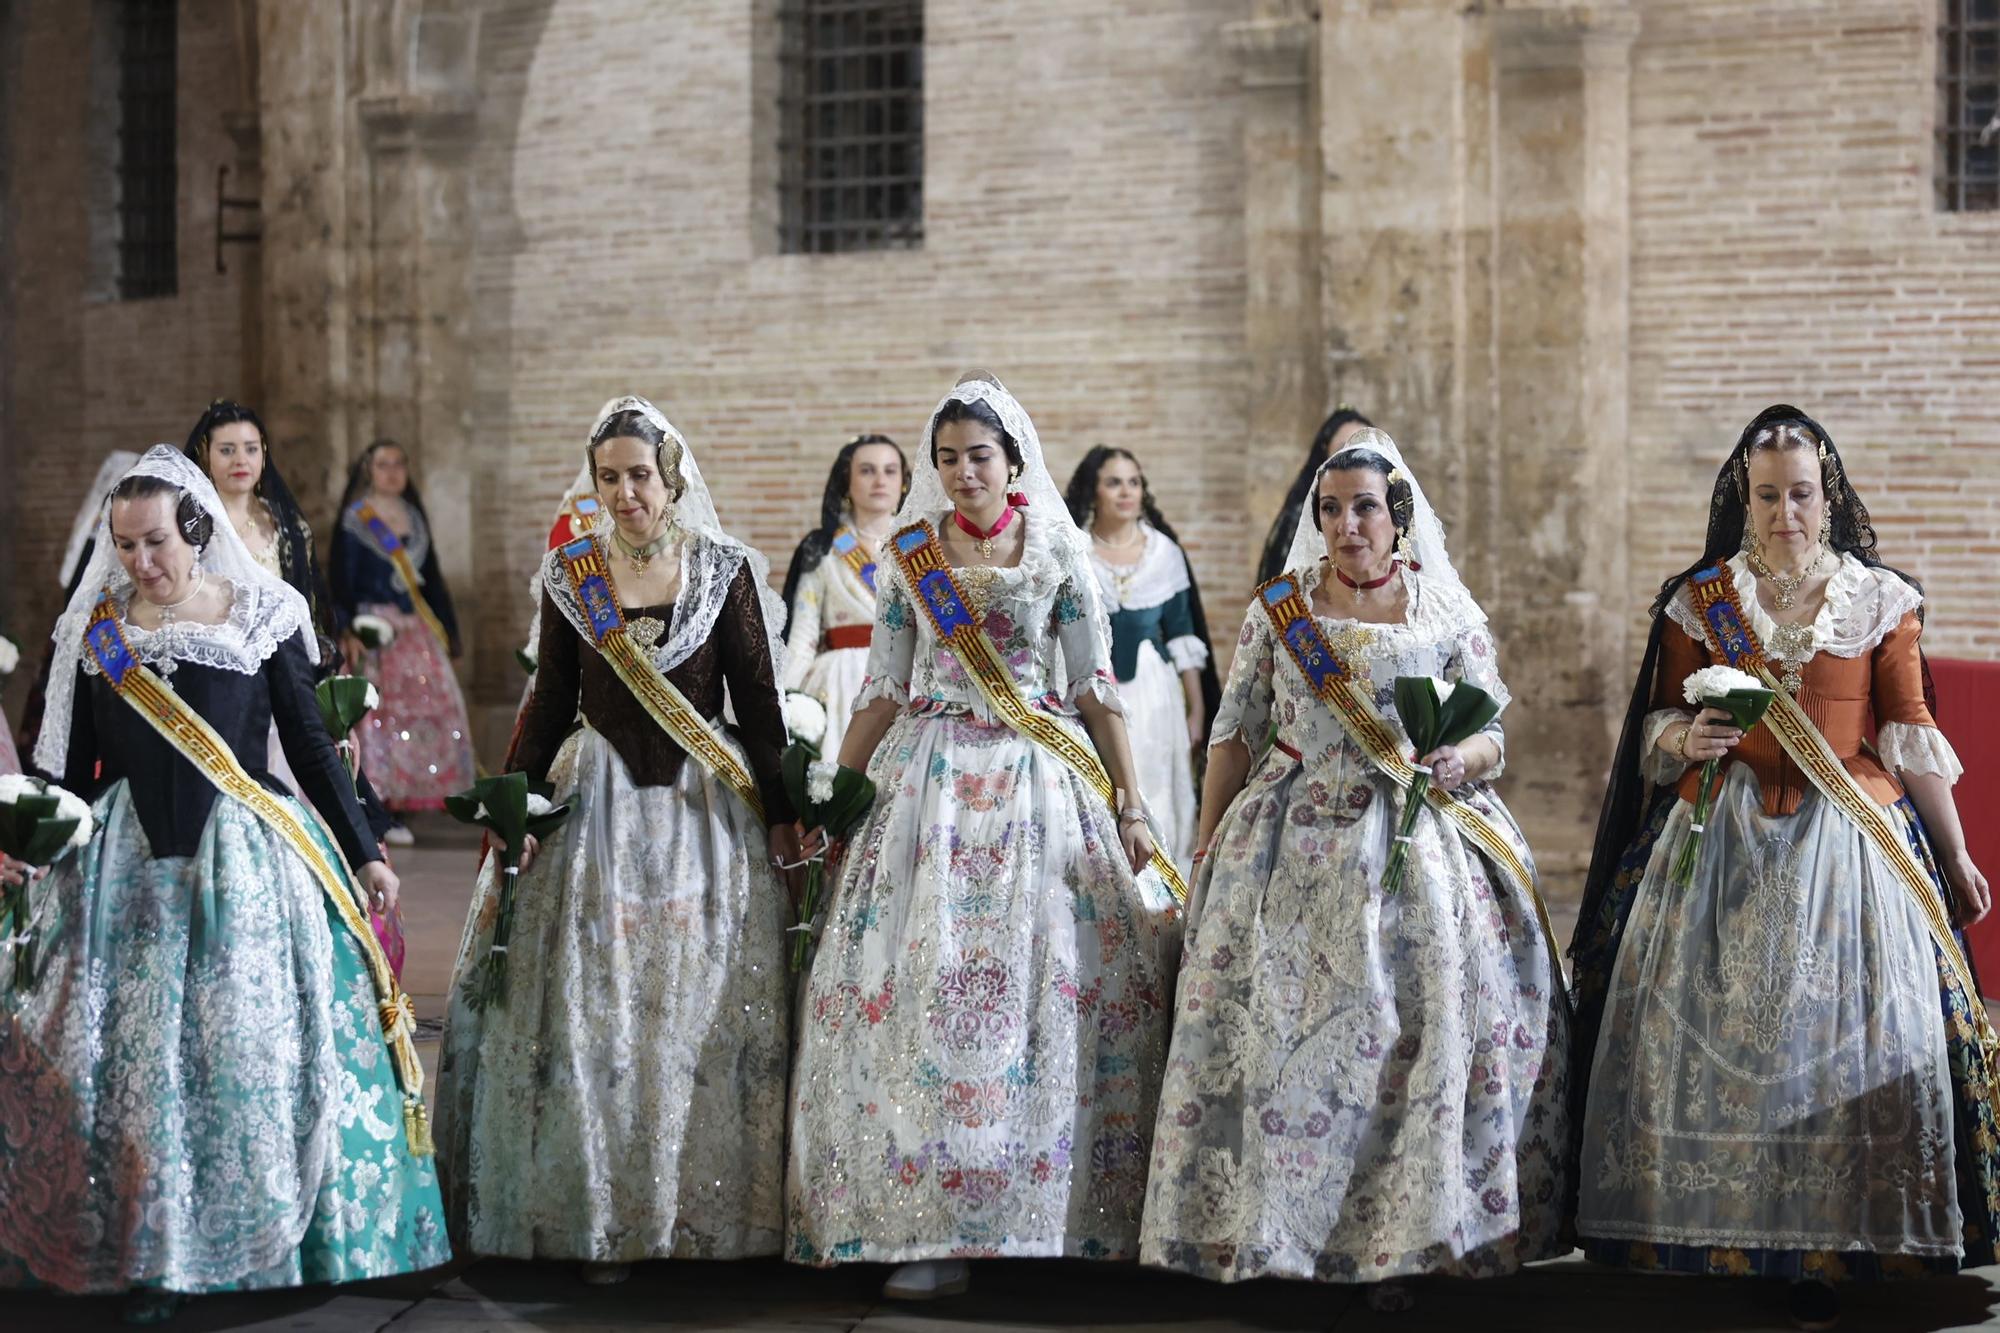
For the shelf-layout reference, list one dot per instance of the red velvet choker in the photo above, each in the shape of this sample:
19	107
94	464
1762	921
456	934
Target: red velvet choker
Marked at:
1341	574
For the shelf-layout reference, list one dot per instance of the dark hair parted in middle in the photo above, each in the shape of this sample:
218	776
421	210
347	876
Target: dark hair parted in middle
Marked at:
833	511
636	425
1402	500
1081	494
194	522
957	409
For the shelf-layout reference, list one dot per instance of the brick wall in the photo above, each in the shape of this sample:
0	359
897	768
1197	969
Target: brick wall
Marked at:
1083	224
1786	249
89	375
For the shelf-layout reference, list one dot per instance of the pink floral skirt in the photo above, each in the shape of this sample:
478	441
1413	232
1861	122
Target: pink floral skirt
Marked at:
416	747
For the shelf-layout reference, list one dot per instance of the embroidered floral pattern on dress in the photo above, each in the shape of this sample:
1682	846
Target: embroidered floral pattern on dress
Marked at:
1359	1087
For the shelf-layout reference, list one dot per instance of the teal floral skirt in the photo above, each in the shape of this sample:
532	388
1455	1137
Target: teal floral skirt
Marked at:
195	1091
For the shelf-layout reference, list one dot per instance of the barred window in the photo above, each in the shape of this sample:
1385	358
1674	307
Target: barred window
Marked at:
147	176
852	144
1968	124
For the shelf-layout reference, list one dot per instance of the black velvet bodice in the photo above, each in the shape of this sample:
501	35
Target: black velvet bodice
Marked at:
109	740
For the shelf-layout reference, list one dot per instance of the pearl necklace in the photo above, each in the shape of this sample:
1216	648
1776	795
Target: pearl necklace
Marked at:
168	632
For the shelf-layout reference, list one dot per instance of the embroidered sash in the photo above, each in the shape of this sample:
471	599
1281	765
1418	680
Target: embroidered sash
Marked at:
1332	682
197	742
1715	597
399	556
849	548
937	591
590	579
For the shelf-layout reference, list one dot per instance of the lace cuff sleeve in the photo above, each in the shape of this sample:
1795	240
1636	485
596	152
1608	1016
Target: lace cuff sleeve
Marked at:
892	652
1909	747
1654	764
1187	653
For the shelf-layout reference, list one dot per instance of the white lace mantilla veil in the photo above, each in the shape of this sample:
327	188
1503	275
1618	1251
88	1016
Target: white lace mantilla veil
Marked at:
710	557
1052	535
267	610
1435	570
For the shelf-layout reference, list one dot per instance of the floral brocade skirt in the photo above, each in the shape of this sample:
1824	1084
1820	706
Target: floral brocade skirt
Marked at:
195	1095
1362	1086
416	747
1785	1079
625	1101
986	1016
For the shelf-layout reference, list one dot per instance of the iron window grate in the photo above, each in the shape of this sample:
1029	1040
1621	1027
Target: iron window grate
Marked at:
852	145
1968	123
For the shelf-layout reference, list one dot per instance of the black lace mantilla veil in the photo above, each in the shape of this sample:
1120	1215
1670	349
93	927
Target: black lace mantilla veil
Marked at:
1632	801
832	513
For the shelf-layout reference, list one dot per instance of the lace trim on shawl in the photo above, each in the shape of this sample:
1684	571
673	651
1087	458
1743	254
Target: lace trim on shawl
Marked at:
1160	573
1862	605
708	567
255	628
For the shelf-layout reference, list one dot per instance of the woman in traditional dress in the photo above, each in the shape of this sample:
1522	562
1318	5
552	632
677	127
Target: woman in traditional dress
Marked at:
830	587
625	1100
199	1096
1159	635
1364	1085
986	1014
1330	439
1773	1085
417	744
230	446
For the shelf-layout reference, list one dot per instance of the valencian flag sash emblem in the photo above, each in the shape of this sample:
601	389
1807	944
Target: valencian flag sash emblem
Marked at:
1331	680
922	561
197	742
1713	591
399	556
848	547
589	577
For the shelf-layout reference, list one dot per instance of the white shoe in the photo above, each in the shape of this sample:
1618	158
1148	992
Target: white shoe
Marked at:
399	836
928	1280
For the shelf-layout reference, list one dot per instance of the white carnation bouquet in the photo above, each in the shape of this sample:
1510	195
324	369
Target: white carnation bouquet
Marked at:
1745	698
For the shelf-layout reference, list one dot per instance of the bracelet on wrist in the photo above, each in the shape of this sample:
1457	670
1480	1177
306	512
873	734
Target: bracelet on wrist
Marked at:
1681	745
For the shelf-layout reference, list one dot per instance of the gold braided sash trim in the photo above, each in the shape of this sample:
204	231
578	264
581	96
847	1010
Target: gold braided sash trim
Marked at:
1330	679
590	579
937	590
1714	593
196	741
399	556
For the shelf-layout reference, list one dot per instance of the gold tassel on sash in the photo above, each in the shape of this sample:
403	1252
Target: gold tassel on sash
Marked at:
197	742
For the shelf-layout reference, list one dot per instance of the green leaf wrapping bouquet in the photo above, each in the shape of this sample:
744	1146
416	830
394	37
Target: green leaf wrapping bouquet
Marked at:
828	797
40	823
1434	713
1746	699
512	809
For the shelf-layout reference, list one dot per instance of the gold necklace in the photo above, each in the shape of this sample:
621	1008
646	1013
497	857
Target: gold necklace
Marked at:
1784	591
639	557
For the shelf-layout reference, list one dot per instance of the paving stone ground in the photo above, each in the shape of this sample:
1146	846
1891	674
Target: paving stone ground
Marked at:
1565	1296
